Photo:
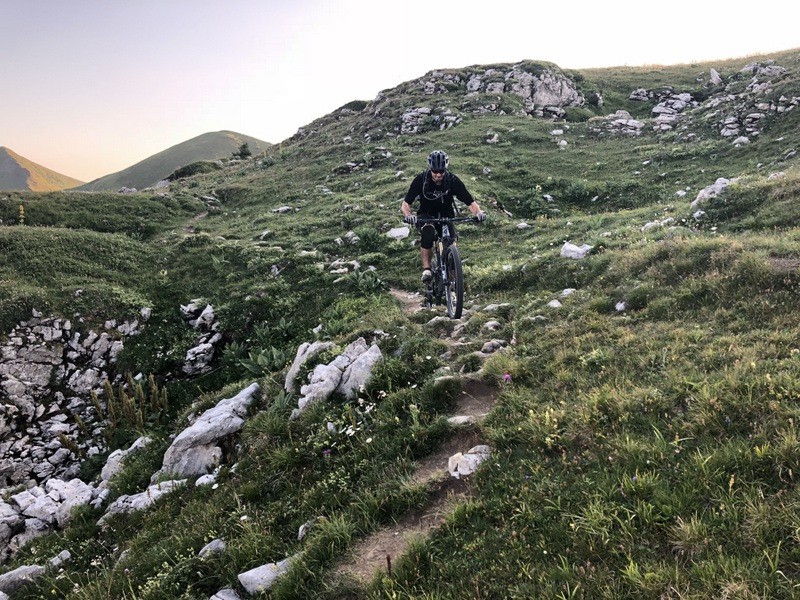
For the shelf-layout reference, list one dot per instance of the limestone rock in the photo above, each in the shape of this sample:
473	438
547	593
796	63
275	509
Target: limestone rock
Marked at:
264	577
134	502
461	465
15	580
305	352
569	250
115	460
195	450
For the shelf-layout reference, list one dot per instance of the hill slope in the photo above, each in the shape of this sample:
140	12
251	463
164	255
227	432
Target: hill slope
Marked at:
151	170
645	431
19	173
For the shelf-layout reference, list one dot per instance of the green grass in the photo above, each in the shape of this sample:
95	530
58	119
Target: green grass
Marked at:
649	452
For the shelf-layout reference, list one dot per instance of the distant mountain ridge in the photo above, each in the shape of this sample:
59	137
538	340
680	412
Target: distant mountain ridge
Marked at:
19	173
151	170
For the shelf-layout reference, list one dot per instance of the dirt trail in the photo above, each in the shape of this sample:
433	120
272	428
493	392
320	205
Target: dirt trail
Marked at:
411	301
381	549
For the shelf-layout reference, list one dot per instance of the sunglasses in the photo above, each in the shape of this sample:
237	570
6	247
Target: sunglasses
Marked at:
435	172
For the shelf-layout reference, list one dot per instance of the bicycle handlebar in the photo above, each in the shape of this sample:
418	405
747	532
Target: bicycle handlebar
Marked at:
448	220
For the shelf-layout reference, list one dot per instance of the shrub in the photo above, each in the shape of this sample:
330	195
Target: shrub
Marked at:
195	168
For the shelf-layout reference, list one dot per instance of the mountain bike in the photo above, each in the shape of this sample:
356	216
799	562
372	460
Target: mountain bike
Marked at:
447	283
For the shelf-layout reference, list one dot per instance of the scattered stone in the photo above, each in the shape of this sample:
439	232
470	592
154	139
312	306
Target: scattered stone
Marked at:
216	546
618	123
462	465
135	502
264	577
569	250
399	233
226	594
712	191
493	346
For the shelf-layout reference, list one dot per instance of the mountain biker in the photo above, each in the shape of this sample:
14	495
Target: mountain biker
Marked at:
435	190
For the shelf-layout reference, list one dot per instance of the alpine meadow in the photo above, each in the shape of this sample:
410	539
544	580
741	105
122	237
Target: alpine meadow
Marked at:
624	384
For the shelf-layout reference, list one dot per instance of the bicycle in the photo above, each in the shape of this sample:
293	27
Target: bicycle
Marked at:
447	283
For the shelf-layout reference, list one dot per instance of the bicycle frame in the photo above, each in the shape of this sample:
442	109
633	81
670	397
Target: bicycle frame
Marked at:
448	279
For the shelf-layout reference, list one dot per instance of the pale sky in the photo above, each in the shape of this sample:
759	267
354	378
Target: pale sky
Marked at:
90	87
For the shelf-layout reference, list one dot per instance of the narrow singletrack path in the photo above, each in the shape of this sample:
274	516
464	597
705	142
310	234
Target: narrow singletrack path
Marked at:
378	551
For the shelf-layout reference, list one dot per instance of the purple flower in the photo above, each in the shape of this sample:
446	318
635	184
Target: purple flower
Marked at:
506	378
326	453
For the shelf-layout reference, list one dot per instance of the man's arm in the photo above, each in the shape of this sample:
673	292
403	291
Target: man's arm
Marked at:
460	191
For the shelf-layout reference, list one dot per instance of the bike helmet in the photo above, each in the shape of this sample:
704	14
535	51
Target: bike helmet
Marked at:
438	161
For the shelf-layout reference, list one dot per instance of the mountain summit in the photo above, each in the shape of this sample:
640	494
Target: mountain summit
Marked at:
19	173
151	170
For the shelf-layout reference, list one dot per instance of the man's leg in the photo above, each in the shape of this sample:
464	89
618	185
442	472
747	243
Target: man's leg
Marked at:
426	254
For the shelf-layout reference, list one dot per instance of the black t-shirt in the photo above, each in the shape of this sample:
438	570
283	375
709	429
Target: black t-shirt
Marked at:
437	201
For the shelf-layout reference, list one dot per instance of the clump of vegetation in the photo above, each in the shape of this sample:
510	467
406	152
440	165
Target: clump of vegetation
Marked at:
195	168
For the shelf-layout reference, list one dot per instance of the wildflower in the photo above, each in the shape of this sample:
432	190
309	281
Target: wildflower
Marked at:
506	377
369	440
326	453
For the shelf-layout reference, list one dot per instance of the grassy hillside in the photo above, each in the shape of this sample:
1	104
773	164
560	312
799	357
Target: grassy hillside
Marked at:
645	435
151	170
19	173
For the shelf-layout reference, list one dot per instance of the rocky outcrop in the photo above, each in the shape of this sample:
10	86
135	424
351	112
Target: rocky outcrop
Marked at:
197	450
37	510
345	375
545	92
711	191
418	119
204	321
48	371
740	111
305	352
135	502
619	123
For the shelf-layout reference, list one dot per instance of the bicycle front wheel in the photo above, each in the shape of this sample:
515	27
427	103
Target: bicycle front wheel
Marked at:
454	285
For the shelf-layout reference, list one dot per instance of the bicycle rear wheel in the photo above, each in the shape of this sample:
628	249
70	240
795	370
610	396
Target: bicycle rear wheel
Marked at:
454	286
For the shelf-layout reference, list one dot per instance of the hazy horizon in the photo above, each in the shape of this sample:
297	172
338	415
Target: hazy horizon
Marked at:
95	87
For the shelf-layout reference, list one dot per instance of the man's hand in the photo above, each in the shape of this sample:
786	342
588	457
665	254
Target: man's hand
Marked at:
481	216
410	219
